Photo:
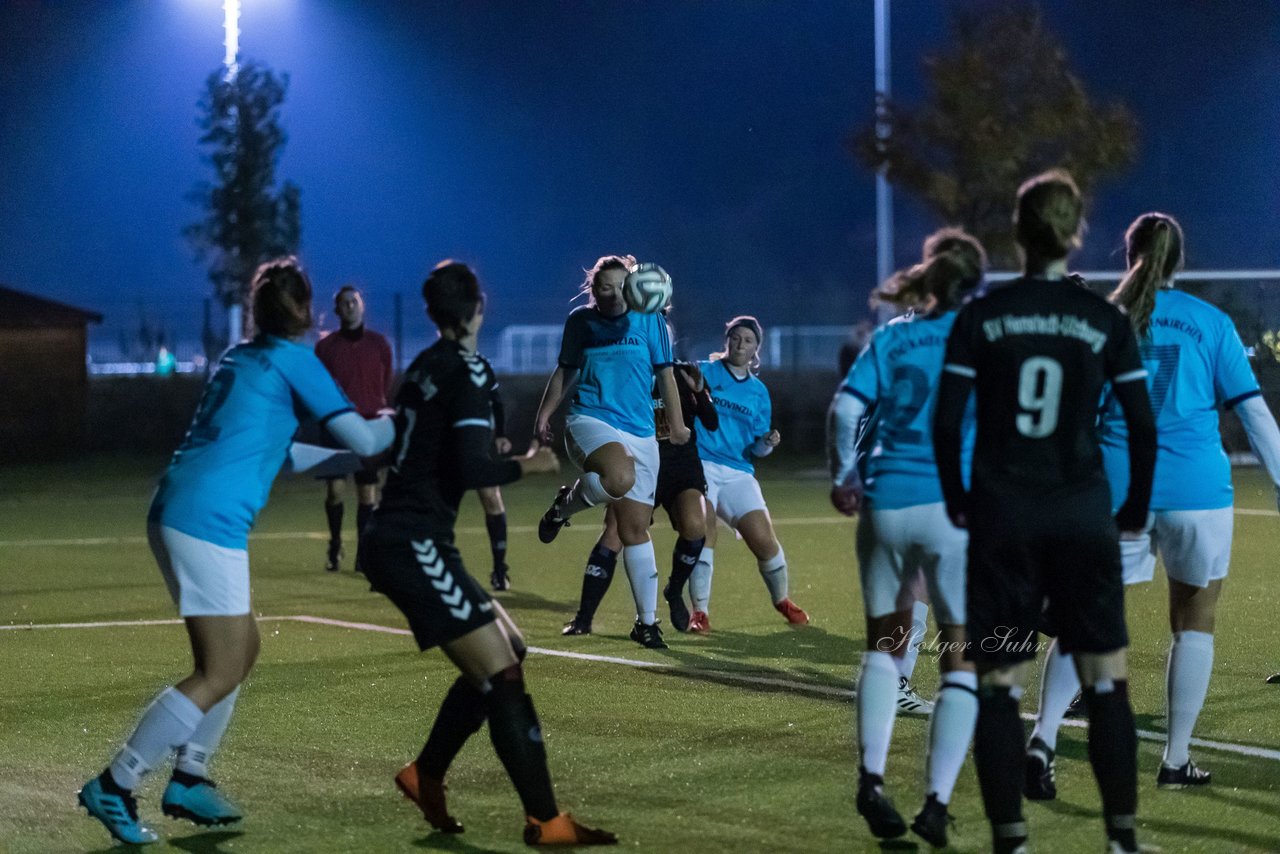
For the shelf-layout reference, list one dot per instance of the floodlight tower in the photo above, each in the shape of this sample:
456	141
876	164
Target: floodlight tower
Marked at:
884	193
231	35
231	64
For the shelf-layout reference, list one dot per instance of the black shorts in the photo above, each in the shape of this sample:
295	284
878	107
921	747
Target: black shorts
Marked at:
679	468
415	565
1038	565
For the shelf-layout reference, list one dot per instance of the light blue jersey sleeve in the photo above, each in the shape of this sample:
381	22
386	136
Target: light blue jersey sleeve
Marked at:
220	476
1233	378
659	336
863	379
315	393
1196	366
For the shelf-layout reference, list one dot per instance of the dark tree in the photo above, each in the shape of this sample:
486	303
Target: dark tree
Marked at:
247	220
1003	104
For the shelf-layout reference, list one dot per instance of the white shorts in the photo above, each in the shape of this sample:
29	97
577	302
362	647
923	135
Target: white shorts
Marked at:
732	493
205	580
1195	546
585	435
893	545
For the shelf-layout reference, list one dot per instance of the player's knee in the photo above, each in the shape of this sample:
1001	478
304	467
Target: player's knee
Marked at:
619	482
633	532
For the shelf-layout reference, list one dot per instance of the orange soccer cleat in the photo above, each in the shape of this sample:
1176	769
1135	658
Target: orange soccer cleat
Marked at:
564	830
428	794
794	613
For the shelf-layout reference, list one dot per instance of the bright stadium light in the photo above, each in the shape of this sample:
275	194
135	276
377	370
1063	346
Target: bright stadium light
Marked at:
231	26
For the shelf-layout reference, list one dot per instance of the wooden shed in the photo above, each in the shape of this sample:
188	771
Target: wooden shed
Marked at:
44	381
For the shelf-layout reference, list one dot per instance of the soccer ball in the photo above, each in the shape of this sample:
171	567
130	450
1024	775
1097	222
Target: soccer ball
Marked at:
647	288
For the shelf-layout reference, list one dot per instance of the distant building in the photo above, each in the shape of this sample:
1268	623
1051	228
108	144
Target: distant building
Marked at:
43	378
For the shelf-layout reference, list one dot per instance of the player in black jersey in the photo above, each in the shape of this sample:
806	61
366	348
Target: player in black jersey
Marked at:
680	491
1042	542
444	447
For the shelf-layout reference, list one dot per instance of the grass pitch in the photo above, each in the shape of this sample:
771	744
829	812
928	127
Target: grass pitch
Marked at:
740	741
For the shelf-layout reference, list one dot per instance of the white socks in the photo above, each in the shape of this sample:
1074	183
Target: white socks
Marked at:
916	635
700	581
955	712
193	757
167	723
642	572
1190	663
774	573
877	705
587	492
1059	684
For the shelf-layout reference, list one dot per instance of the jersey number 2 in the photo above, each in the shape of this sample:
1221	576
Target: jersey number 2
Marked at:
1039	393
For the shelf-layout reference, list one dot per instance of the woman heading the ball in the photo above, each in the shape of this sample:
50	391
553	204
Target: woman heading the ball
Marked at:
613	352
728	455
198	527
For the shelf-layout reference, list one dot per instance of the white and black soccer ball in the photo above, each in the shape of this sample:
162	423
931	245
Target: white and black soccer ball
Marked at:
647	288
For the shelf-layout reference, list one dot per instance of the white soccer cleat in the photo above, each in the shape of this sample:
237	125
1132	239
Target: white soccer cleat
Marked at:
909	702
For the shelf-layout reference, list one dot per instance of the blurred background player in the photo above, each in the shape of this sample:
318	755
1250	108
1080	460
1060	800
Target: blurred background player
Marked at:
903	531
614	354
1043	543
198	528
680	491
728	454
360	360
444	447
495	512
1196	366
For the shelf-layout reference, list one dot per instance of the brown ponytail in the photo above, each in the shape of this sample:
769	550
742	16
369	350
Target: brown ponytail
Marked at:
281	298
1153	248
943	276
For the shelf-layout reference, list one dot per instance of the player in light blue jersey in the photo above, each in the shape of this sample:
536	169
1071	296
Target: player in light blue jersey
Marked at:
728	454
613	353
1196	367
198	528
903	530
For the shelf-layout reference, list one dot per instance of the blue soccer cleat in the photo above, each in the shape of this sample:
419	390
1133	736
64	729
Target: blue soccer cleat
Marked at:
201	803
117	812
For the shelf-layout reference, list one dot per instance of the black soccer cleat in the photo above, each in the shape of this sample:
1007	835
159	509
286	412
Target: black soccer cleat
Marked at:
553	520
648	636
679	611
1076	709
1273	679
500	578
576	627
1038	765
1186	777
932	822
874	805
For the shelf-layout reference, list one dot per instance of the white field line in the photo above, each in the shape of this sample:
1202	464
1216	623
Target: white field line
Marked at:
783	521
728	676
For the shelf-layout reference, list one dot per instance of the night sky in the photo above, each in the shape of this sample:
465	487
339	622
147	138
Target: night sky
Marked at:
528	138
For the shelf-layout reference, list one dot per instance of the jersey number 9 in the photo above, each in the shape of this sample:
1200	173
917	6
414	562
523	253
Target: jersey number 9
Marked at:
1039	393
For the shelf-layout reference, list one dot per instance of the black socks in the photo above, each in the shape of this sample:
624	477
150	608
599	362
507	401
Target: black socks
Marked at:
333	512
461	714
517	739
497	527
684	557
595	581
998	757
1113	753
